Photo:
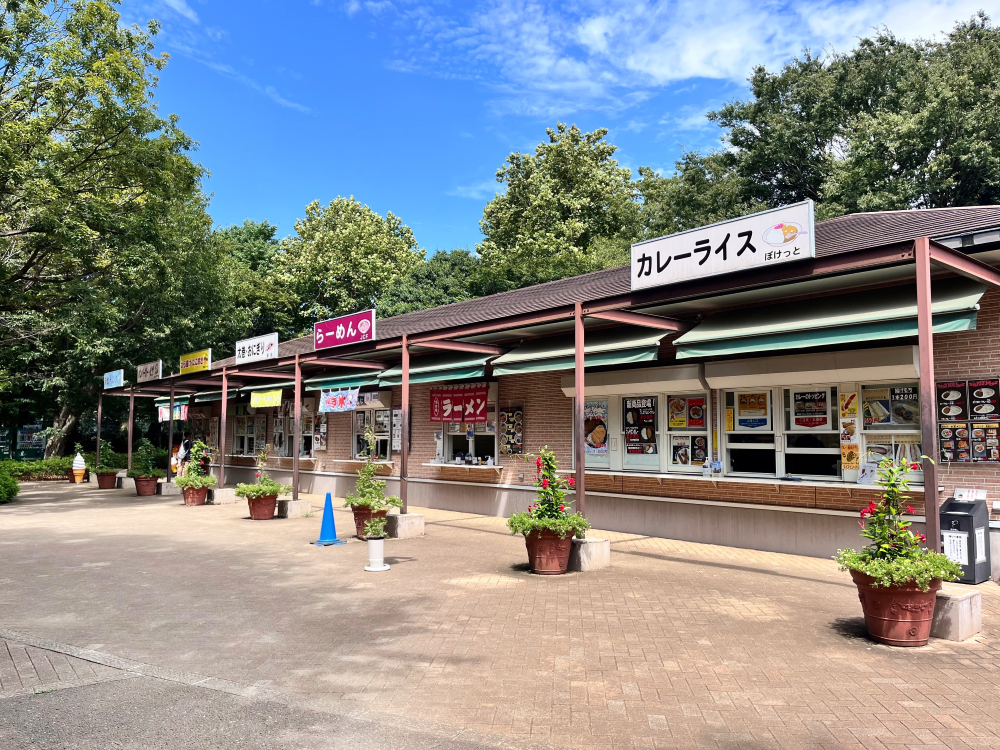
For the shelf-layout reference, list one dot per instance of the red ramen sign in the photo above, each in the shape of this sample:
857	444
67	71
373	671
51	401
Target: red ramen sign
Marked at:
459	404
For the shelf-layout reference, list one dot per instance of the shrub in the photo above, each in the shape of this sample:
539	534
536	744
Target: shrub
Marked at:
8	484
265	486
375	528
895	555
551	511
369	492
46	468
195	481
143	464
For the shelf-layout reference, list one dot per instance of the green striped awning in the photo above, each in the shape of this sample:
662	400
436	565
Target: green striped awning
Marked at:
440	368
207	396
603	348
165	400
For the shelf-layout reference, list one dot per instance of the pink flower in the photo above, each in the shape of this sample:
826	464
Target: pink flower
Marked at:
923	537
914	467
545	483
538	462
571	482
909	509
258	475
562	507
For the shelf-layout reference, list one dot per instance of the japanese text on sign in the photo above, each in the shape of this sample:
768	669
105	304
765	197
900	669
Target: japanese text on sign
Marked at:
639	421
149	371
114	379
257	348
776	236
196	361
347	329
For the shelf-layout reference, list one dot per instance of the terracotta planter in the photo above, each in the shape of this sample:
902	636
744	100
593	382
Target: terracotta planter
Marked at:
548	555
145	486
76	475
363	516
107	480
897	615
195	495
262	508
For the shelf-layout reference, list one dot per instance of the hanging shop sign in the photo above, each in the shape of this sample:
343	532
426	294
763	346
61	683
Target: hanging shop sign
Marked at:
512	430
780	235
752	411
811	410
149	371
347	329
114	379
459	404
639	419
338	401
196	361
595	427
257	348
265	398
885	408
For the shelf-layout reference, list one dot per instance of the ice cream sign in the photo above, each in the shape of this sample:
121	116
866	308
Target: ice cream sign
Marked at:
781	235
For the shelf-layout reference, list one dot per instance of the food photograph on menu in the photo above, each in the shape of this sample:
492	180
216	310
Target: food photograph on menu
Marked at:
512	430
984	399
983	441
639	421
595	427
952	400
953	440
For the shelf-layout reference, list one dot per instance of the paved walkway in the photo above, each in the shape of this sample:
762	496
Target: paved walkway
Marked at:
677	645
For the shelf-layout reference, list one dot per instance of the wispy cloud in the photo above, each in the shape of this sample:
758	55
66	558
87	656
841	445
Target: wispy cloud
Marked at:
554	58
479	191
268	91
180	6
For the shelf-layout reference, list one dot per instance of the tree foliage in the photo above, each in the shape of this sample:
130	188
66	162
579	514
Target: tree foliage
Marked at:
443	278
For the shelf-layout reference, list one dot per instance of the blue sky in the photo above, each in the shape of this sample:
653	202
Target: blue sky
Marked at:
411	107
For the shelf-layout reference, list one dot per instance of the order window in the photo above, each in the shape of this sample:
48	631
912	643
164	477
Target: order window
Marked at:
471	440
750	434
378	421
688	422
812	432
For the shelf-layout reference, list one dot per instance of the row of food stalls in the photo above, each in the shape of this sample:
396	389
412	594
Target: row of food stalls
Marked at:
710	400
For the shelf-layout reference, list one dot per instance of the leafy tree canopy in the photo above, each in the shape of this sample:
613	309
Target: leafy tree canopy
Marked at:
445	277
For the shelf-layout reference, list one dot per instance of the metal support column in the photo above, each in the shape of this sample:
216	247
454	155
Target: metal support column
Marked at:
222	429
928	415
298	429
404	455
578	427
131	418
170	434
100	399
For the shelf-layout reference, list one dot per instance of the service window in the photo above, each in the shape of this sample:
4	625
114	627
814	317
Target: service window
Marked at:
688	423
472	441
378	421
812	439
749	430
892	423
641	433
596	433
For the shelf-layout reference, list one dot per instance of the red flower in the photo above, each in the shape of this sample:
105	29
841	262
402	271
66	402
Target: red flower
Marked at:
909	509
914	467
923	537
571	482
538	462
545	483
562	507
258	475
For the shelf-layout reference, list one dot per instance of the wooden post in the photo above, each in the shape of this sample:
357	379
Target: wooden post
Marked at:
131	418
404	455
298	429
928	414
579	363
222	428
170	434
100	399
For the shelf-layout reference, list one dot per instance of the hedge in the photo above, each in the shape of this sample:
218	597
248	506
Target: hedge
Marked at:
8	485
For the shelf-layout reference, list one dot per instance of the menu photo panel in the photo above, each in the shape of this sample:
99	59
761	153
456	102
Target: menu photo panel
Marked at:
984	399
753	411
983	437
953	440
811	409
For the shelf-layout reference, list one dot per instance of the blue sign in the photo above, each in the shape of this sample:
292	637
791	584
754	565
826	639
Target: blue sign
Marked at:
114	379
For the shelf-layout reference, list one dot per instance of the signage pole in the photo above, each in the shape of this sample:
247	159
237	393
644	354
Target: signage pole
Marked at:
298	429
222	429
131	417
928	412
170	434
100	399
404	455
578	428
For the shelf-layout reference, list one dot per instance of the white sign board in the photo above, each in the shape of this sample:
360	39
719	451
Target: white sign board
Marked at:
969	494
149	371
955	545
257	348
780	235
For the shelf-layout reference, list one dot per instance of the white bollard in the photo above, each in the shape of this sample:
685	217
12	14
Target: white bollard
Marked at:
376	556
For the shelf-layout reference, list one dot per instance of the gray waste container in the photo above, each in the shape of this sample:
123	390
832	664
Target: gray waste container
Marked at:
965	537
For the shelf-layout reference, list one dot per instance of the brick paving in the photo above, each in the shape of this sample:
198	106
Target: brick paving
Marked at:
677	645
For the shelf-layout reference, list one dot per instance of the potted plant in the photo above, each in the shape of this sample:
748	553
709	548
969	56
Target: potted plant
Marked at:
262	496
195	480
79	468
897	578
368	500
143	470
375	534
549	525
107	468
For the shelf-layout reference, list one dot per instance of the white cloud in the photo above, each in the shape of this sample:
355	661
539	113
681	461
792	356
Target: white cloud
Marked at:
547	59
180	6
480	191
268	91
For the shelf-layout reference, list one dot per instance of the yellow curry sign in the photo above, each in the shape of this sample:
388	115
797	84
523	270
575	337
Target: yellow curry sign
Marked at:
196	361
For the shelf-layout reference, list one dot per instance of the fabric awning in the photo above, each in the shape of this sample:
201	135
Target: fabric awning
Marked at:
606	348
165	400
341	381
202	398
438	369
872	315
270	386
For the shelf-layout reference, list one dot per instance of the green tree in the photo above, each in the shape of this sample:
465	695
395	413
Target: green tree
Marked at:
342	259
443	278
568	209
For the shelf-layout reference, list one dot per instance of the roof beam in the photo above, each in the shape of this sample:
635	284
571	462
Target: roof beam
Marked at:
270	375
463	346
361	364
638	319
500	324
963	265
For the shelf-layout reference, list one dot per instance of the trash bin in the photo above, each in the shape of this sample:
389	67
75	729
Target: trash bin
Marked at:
965	537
